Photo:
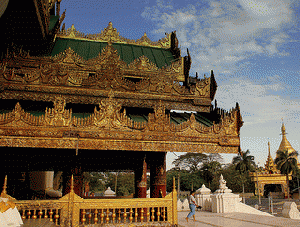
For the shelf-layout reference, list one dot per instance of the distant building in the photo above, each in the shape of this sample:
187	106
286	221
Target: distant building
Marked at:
270	180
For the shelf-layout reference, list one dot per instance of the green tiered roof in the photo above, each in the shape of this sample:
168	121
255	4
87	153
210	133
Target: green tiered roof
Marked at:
128	52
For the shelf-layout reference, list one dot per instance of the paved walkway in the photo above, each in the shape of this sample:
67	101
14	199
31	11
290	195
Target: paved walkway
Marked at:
208	219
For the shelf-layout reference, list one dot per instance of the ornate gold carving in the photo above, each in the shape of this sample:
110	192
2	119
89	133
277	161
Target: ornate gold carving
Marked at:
67	71
143	180
110	34
109	113
58	116
68	56
109	129
203	88
158	121
142	63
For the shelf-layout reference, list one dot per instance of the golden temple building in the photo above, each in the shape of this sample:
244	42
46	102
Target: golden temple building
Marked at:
77	103
270	176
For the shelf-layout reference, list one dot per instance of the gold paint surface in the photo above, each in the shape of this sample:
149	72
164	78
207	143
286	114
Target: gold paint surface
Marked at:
110	34
110	129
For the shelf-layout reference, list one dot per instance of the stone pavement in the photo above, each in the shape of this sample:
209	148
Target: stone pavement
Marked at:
208	219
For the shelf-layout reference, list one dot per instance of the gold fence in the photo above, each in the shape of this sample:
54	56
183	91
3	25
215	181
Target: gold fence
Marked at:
72	210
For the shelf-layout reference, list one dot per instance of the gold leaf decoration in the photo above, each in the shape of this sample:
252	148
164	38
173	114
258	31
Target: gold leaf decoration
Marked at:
111	34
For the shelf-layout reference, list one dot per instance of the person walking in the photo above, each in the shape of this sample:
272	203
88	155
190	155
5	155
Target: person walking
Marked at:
192	205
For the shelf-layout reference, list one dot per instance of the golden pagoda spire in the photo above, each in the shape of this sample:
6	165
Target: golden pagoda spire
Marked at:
270	167
285	144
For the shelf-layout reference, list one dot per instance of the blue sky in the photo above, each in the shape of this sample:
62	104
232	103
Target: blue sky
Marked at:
253	47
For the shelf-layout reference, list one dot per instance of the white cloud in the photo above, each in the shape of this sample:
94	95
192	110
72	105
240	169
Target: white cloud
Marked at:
261	103
225	33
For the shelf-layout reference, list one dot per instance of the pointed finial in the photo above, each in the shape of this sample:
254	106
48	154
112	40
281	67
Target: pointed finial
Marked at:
4	187
145	35
72	184
283	129
72	32
110	24
269	148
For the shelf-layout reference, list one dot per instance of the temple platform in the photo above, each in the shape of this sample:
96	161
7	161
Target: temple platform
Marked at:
208	219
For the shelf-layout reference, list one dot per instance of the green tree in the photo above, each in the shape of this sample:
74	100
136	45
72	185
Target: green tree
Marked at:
287	163
234	180
244	163
190	161
210	170
214	157
125	182
187	179
96	181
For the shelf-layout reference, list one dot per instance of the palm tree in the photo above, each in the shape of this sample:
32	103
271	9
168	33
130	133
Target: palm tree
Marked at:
244	163
286	163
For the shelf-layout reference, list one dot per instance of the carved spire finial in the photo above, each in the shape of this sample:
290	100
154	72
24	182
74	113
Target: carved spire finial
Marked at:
283	129
3	193
72	184
72	31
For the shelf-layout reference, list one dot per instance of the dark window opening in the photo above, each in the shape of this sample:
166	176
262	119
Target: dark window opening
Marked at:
133	79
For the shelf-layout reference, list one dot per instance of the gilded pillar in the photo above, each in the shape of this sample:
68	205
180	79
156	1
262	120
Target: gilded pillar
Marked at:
158	180
141	179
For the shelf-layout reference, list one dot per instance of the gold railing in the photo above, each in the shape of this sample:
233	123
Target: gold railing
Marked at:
72	210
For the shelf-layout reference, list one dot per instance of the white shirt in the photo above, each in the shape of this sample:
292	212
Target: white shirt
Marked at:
192	200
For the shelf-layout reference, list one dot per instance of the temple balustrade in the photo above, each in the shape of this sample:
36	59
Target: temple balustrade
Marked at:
72	210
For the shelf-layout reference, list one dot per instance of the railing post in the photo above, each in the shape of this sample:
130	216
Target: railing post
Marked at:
174	202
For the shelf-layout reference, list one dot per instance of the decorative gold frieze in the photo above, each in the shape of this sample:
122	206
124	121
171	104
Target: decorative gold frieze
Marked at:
109	129
110	34
67	71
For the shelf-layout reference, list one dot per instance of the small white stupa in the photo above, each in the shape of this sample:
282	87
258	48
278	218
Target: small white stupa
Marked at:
109	192
203	198
203	190
223	201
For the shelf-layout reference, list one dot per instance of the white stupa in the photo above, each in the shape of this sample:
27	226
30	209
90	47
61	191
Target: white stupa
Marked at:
109	192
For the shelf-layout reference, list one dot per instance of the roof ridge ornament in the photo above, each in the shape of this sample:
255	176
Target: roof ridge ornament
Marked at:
111	33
